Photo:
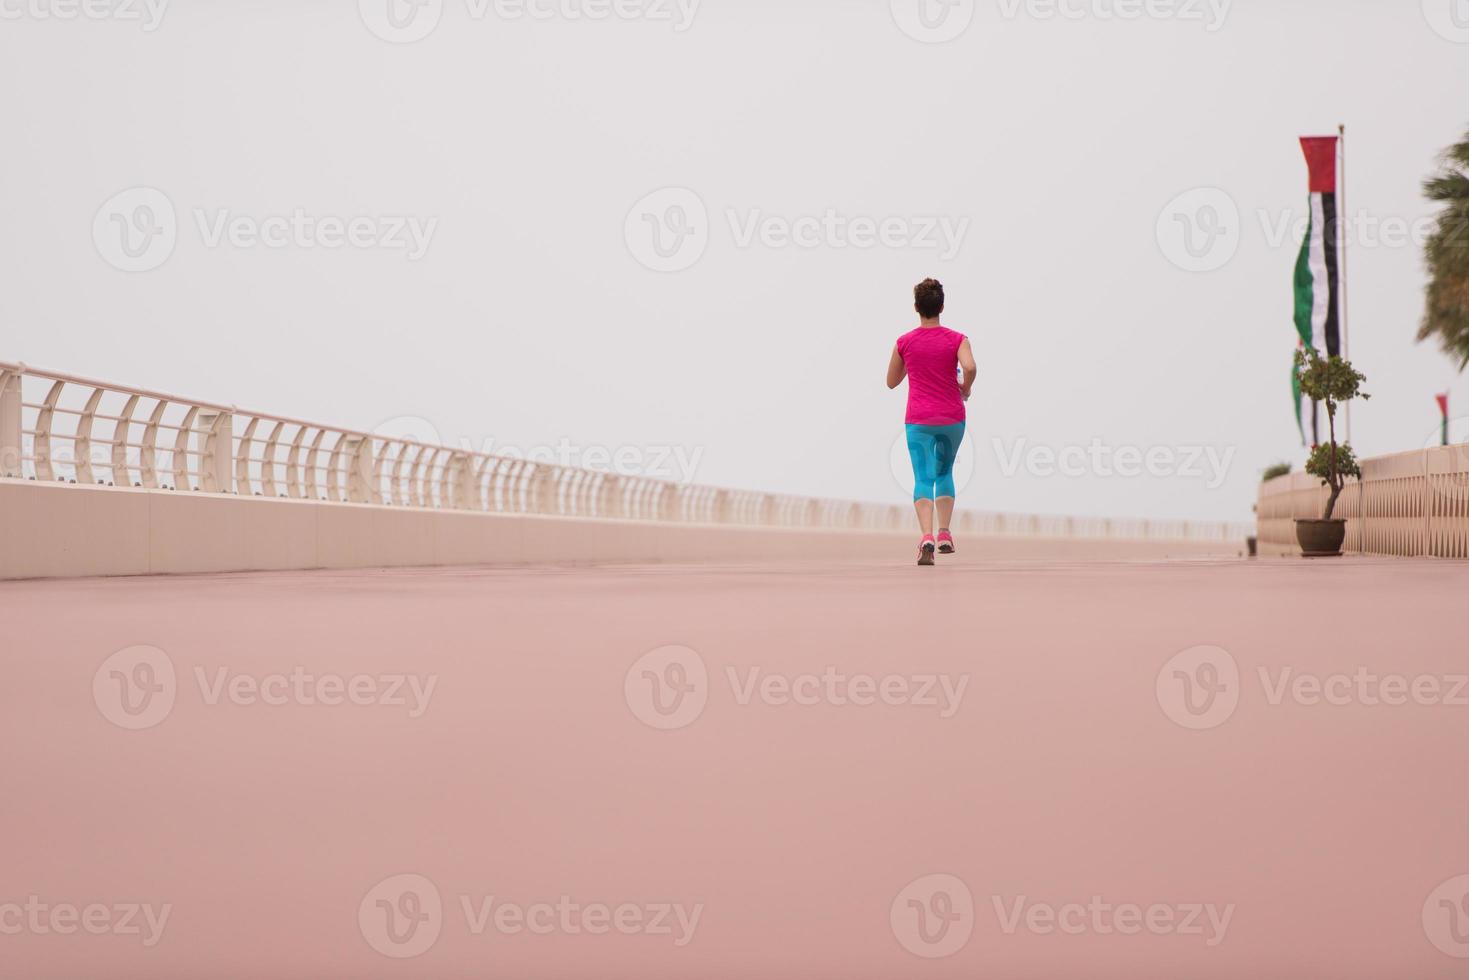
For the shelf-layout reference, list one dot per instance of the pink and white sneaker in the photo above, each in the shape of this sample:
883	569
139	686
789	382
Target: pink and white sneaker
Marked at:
926	548
946	542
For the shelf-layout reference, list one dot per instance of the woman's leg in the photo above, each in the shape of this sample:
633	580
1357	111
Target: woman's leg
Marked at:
944	507
946	447
921	451
924	509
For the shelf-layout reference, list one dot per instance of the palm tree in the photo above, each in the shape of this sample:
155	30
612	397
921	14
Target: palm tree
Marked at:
1446	317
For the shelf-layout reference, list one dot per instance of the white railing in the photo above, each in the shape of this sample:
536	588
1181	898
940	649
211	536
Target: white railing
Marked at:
1409	504
61	428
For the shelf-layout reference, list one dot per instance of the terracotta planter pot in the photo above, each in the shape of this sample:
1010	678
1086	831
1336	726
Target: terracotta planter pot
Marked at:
1321	539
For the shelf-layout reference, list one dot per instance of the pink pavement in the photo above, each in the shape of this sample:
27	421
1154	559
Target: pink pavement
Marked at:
996	768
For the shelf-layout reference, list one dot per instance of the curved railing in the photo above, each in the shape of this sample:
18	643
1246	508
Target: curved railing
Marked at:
1408	504
58	427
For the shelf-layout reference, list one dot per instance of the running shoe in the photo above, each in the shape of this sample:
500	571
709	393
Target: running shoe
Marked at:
926	548
946	543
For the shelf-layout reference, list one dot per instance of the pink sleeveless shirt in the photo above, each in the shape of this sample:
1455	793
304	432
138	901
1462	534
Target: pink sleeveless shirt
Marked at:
931	355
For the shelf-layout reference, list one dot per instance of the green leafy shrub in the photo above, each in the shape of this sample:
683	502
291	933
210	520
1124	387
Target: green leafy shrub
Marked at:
1333	381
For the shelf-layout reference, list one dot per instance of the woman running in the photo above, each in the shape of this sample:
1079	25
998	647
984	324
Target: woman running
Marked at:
930	358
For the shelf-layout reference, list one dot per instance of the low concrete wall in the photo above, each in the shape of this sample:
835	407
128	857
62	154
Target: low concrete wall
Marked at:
68	530
1409	504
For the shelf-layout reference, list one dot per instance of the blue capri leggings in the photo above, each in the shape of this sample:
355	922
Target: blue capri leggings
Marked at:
933	448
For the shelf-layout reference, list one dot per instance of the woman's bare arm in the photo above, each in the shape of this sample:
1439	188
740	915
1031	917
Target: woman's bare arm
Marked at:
897	370
971	370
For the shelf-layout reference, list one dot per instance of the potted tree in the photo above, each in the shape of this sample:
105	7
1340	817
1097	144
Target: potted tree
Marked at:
1333	381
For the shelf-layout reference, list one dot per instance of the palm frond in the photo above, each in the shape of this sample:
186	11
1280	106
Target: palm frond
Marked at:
1446	252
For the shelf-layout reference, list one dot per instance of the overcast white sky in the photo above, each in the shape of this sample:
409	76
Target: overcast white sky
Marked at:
520	148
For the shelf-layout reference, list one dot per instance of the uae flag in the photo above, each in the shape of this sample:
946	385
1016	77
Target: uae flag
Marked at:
1318	282
1318	286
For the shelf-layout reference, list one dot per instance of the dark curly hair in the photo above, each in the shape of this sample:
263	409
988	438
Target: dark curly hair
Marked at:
928	298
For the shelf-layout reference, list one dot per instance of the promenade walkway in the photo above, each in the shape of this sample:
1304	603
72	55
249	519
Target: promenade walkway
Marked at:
1040	768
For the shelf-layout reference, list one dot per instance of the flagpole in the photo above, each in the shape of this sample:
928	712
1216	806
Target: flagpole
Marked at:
1343	219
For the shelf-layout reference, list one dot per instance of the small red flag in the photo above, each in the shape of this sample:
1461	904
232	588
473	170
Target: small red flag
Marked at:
1321	161
1443	404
